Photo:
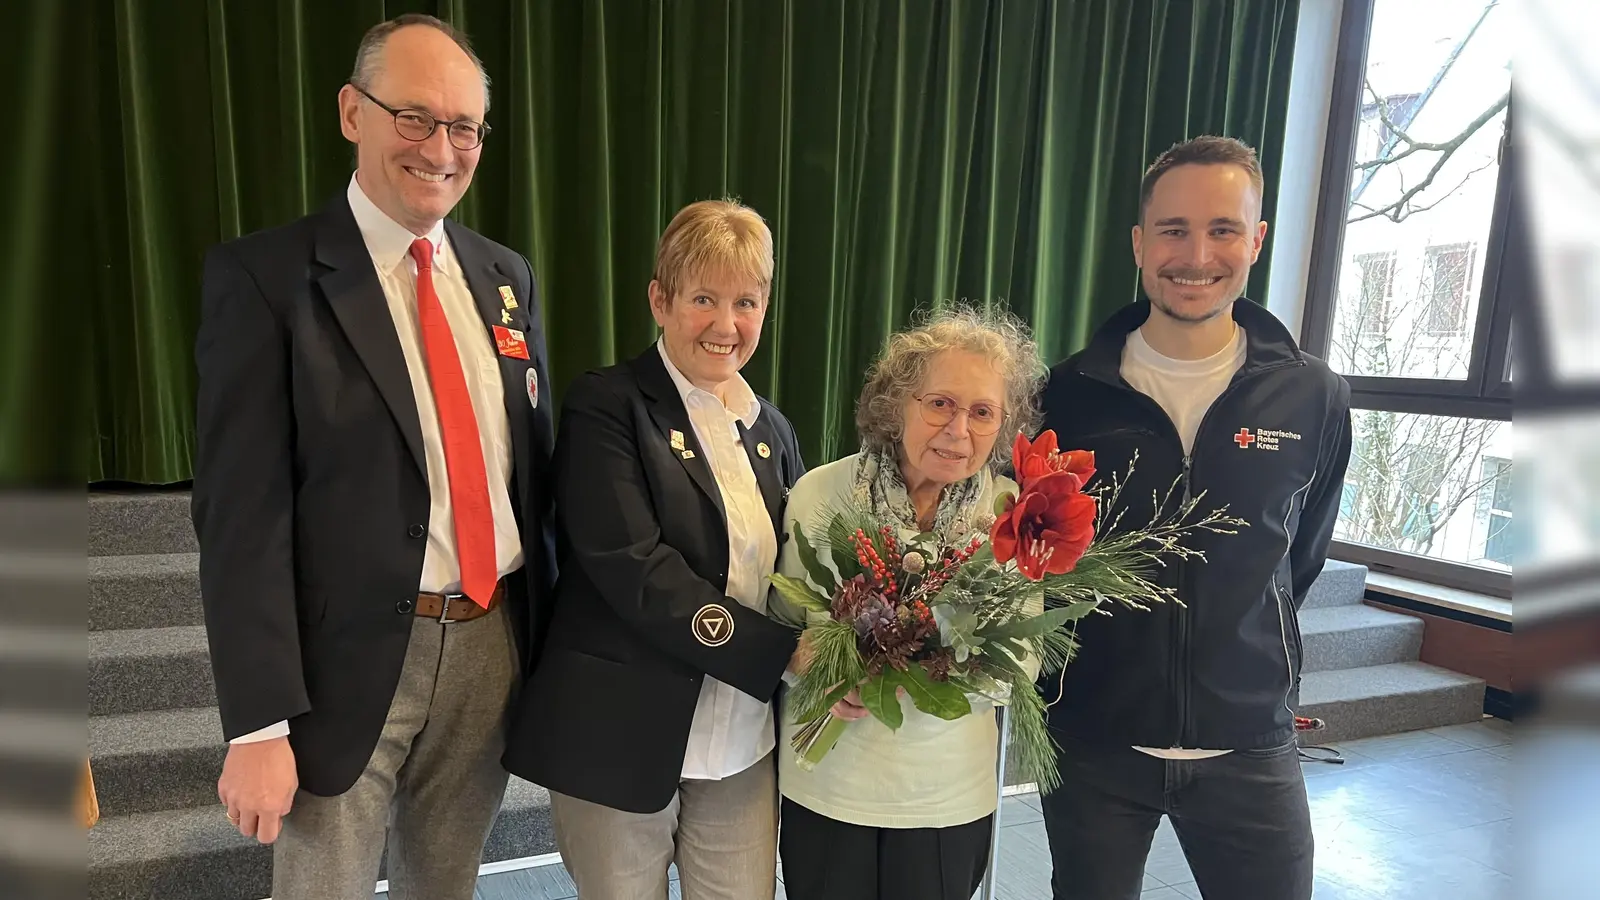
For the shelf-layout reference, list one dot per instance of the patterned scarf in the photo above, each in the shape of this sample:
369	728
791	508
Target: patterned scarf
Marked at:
880	487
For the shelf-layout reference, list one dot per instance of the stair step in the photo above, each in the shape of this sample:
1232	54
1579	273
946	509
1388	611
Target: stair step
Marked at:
41	852
41	587
37	523
41	668
127	522
1340	584
149	761
151	590
194	853
41	761
1388	699
149	668
1353	637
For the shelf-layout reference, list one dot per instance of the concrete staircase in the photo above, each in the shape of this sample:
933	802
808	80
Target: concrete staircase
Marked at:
154	735
1361	673
41	696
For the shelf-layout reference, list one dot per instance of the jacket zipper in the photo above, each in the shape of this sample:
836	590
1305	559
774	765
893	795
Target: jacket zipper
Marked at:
1186	737
1181	660
1181	644
1176	681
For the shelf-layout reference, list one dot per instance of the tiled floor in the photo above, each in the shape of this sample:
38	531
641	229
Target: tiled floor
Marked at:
1419	816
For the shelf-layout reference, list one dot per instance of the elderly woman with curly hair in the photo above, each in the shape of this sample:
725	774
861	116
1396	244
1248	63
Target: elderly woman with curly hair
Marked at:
909	813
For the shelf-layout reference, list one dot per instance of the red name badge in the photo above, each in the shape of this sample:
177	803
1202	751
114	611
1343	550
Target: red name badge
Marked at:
510	342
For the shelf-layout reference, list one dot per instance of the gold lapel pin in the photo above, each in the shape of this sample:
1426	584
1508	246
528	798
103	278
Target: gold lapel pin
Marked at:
675	437
505	317
508	298
763	451
688	454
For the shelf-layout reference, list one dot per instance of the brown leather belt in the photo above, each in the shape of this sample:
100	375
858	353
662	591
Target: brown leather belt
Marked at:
450	608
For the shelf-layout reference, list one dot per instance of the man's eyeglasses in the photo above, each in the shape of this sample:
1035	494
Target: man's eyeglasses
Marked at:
419	124
939	411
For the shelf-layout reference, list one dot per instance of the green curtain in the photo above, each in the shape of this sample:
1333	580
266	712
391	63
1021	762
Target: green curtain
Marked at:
905	152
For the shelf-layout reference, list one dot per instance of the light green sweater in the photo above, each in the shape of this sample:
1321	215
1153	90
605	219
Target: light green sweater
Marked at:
931	773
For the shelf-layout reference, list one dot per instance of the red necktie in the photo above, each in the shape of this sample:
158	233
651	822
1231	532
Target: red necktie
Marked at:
463	454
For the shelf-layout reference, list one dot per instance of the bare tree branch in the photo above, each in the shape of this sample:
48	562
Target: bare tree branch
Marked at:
1398	210
1413	145
1404	214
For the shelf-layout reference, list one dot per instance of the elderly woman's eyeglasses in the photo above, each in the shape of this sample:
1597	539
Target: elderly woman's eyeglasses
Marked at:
939	411
419	124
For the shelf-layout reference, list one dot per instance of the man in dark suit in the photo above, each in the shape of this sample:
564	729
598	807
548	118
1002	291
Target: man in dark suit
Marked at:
371	496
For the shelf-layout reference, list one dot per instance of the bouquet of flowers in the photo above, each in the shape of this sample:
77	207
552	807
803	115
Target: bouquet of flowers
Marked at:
945	625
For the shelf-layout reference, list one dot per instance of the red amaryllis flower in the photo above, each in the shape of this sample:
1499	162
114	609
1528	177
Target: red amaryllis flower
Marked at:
1034	459
1047	529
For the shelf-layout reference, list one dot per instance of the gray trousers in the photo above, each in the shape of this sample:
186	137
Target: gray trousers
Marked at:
434	783
722	834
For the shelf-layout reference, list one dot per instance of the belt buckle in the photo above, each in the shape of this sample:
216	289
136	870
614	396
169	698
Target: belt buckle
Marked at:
444	611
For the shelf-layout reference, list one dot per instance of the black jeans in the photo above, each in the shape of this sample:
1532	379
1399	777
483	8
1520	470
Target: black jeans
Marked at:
825	859
1242	819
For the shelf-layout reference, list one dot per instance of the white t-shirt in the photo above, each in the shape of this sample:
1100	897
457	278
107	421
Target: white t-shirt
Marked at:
1185	388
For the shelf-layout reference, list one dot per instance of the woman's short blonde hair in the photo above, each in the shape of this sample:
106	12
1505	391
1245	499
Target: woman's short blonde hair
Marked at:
994	334
715	235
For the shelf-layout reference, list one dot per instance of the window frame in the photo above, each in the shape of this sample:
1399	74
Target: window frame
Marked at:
1504	468
1432	256
1486	392
1363	261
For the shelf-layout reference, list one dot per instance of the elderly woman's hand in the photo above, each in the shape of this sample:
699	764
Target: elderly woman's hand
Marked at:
800	660
850	707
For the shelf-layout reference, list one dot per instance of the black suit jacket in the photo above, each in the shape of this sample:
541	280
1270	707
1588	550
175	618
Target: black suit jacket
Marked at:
644	560
310	489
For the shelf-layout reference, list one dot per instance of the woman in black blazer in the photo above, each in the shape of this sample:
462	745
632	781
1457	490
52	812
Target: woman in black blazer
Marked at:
649	715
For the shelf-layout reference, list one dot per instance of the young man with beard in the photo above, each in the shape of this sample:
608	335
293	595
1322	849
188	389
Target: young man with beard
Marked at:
1188	710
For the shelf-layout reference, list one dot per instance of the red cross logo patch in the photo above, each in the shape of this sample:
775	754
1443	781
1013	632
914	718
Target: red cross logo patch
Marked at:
1244	439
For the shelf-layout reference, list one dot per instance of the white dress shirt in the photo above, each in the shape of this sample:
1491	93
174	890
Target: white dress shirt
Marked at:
731	730
389	244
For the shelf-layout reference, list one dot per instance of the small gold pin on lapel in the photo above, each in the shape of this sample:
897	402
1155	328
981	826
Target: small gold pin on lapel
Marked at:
505	317
675	437
688	454
508	298
763	451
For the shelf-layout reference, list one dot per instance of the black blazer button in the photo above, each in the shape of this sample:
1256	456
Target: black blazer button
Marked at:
405	606
416	531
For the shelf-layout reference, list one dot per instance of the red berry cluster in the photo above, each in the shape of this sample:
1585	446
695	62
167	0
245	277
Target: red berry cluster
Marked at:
971	548
867	555
891	546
